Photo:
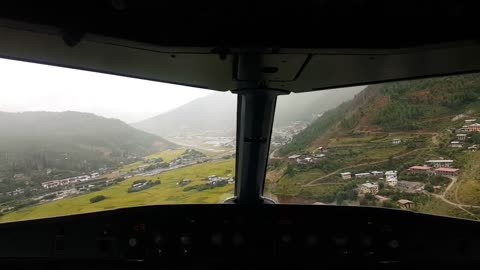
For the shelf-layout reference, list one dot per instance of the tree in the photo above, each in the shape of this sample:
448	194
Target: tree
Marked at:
363	201
381	185
428	187
340	197
369	197
97	198
395	197
475	138
389	204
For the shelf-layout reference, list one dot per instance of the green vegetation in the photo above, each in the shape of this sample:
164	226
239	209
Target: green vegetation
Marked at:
205	187
97	198
166	193
318	128
467	188
475	138
423	114
68	144
146	185
436	206
398	106
167	155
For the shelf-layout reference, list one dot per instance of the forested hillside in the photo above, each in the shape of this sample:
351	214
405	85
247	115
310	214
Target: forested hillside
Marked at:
398	106
67	143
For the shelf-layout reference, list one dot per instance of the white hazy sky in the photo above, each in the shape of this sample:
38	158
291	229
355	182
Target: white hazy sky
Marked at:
34	87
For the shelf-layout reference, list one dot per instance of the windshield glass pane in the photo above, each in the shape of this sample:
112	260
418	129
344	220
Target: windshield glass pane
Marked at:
74	141
409	145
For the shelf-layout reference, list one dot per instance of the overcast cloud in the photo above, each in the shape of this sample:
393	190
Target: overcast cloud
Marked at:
33	87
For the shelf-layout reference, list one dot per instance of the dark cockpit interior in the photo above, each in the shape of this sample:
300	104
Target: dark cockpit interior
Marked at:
258	51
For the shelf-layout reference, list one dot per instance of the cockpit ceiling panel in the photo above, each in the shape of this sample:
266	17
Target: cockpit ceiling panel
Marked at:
292	69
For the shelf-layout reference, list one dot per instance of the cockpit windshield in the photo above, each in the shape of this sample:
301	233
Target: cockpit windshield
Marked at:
74	142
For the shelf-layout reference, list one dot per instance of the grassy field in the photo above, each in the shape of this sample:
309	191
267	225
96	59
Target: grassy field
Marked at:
117	197
468	185
438	207
167	155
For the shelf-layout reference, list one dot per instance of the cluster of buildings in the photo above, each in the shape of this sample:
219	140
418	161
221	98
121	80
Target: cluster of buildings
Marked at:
190	156
462	136
441	167
284	135
16	192
475	127
306	159
390	176
68	181
310	158
215	180
459	142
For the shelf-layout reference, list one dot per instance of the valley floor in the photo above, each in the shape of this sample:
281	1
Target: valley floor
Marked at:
169	191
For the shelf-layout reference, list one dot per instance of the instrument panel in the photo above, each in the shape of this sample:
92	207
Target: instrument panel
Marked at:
302	236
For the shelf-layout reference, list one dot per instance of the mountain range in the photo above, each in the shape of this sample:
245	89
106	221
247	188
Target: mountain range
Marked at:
417	105
216	114
69	140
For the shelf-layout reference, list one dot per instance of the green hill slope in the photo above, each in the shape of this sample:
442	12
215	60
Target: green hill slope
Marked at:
421	115
399	106
31	142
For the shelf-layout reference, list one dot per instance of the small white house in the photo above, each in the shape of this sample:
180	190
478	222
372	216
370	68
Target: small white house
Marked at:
396	141
461	137
392	182
362	175
455	144
377	173
293	156
440	163
369	188
346	175
391	175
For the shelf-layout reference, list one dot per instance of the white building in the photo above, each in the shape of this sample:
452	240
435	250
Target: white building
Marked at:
362	175
461	137
391	175
65	182
396	141
369	188
377	173
392	182
455	144
346	175
440	163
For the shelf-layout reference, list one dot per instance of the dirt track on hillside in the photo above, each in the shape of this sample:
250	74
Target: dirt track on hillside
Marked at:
311	183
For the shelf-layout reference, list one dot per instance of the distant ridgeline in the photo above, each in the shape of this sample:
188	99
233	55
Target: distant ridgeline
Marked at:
424	105
41	146
216	113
